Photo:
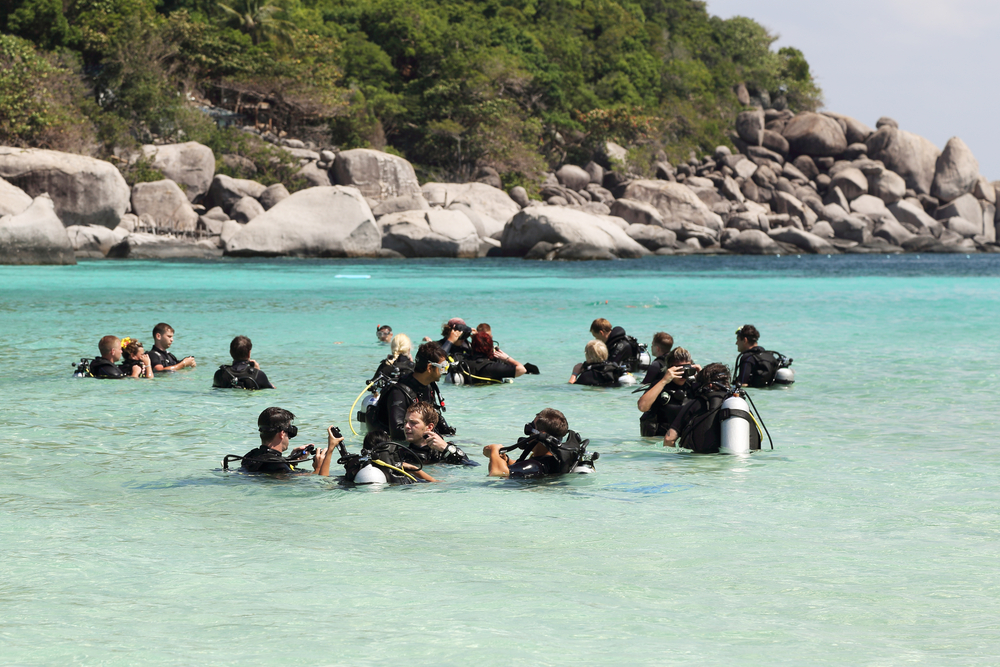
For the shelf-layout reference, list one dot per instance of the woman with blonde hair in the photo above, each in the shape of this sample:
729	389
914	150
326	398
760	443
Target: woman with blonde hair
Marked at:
399	362
597	370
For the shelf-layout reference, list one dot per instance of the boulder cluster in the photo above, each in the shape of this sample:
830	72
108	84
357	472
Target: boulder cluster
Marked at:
806	183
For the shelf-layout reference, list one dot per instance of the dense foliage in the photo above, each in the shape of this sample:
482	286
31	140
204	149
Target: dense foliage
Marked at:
454	85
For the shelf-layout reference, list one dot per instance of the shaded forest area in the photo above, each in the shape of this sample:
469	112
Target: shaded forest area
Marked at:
453	86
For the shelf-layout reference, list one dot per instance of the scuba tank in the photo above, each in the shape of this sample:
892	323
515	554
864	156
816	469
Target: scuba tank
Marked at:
370	475
784	376
627	380
366	413
82	369
735	428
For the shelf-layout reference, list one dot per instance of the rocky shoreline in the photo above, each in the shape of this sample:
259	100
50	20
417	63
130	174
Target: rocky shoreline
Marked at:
807	183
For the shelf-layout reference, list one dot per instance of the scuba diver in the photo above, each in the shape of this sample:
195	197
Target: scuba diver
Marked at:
382	461
665	388
163	338
244	373
543	451
276	429
716	418
135	361
455	338
597	371
383	332
421	439
623	349
757	367
389	412
399	362
103	367
486	364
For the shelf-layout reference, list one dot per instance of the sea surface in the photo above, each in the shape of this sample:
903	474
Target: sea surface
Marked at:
867	536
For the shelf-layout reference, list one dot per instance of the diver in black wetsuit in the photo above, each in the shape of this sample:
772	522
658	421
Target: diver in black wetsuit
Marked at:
103	367
420	385
543	450
485	363
455	338
668	385
622	348
698	425
597	370
399	362
162	360
276	429
244	373
420	421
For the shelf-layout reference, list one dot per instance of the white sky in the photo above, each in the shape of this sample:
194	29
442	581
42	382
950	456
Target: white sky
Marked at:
933	66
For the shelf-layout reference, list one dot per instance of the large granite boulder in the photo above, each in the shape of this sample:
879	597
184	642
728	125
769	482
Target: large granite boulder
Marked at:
750	126
434	233
481	198
751	242
272	195
331	221
909	155
846	226
83	190
956	171
802	239
892	231
225	191
35	236
140	245
400	204
851	181
815	134
246	210
166	204
855	131
13	200
573	177
191	165
94	241
555	224
675	202
313	175
887	186
652	237
636	212
375	174
915	216
966	206
486	227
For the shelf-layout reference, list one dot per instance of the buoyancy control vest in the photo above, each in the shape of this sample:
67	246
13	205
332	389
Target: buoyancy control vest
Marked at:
566	456
763	366
703	431
387	457
245	378
262	459
624	349
600	374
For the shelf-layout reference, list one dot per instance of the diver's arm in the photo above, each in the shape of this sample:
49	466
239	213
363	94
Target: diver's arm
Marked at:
670	438
147	367
186	362
651	394
498	461
576	372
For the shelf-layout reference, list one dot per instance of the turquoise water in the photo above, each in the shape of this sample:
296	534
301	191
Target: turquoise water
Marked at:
868	536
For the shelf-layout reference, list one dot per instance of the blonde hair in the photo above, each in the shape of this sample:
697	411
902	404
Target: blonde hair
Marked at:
400	345
596	351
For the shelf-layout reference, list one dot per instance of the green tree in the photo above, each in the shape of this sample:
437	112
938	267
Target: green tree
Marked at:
257	19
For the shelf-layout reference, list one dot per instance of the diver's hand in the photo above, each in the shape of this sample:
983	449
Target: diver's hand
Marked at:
253	363
188	362
435	442
671	374
490	450
332	440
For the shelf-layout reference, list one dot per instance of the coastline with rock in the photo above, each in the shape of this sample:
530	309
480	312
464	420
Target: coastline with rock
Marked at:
818	183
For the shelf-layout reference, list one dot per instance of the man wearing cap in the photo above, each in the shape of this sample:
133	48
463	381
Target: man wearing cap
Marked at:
420	385
455	338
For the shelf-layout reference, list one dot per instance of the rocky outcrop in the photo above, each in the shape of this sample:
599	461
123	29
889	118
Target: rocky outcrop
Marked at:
141	245
94	241
83	190
225	191
434	233
751	242
557	225
166	204
13	200
35	236
676	203
481	198
911	156
375	174
815	135
332	221
956	171
191	165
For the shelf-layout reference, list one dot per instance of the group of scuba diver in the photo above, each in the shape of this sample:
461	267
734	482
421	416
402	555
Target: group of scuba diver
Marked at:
701	409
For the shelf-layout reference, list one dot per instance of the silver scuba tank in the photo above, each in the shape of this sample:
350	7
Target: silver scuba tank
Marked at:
784	376
735	430
370	475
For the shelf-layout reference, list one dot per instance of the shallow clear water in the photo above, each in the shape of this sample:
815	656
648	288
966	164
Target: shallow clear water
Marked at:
868	536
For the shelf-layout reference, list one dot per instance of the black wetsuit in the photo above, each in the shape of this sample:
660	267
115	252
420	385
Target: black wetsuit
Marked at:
457	350
240	375
754	370
620	350
699	423
128	364
393	371
484	367
601	374
392	404
666	407
265	459
103	369
452	455
158	357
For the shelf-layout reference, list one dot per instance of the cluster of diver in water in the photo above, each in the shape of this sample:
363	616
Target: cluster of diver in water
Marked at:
703	409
